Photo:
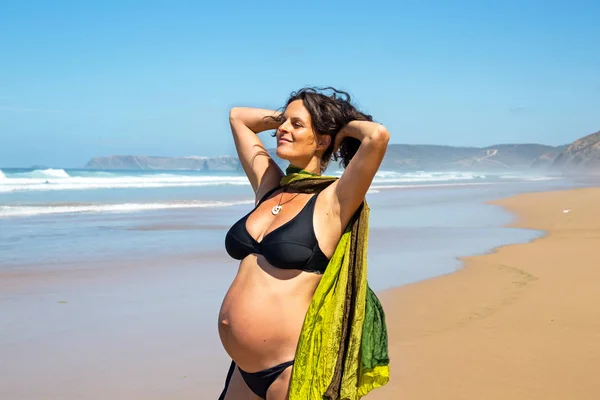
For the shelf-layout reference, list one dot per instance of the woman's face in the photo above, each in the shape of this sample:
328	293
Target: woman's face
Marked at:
296	139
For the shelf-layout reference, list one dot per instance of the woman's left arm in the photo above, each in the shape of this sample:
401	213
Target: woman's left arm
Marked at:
350	190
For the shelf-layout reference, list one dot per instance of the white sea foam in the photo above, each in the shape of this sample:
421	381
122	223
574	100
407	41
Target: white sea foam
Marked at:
506	179
378	188
422	176
23	211
59	179
41	174
542	178
52	173
530	178
45	180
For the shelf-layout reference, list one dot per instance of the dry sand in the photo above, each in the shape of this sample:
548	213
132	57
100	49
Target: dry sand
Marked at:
522	322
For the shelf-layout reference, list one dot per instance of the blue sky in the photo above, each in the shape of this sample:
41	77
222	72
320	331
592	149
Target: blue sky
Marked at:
80	79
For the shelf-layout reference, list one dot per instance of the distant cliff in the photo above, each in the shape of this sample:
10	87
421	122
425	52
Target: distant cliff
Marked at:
430	157
583	154
398	157
222	163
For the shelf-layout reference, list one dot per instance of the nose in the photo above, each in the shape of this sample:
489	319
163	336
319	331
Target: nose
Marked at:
285	126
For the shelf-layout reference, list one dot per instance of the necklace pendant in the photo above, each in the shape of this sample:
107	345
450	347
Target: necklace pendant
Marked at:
275	210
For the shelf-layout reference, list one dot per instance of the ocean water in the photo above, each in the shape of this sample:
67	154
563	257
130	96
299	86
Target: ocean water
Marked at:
111	281
62	216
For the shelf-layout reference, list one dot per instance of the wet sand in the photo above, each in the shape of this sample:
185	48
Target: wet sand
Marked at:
522	322
120	330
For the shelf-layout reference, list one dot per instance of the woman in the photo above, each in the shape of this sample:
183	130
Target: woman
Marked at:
286	242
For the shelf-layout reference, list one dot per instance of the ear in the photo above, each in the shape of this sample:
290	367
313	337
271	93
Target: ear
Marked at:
323	142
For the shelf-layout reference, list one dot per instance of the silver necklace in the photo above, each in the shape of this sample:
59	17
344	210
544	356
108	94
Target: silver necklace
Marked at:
276	209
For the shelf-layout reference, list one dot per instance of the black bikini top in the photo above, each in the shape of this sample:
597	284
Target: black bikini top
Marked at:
293	245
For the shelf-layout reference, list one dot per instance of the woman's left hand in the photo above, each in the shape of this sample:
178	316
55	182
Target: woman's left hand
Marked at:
339	138
358	130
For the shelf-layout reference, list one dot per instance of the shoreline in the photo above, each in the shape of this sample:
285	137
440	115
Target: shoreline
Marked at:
505	325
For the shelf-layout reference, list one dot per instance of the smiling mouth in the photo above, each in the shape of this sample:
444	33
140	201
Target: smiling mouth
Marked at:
282	140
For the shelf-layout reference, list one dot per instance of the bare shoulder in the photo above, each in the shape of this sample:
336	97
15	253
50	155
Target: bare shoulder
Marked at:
269	182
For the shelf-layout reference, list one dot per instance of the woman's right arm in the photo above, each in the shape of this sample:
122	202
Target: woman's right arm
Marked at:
263	173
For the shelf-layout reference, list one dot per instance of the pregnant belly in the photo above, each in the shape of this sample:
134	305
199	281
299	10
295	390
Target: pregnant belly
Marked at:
262	315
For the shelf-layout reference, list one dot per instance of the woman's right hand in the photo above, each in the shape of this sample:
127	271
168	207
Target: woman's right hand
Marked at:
256	119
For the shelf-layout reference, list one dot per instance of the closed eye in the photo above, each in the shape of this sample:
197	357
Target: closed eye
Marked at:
297	122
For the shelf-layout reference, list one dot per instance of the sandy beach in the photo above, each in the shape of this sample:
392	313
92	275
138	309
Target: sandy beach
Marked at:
521	322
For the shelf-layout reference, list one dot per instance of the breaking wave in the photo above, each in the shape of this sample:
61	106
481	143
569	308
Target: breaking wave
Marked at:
58	179
422	176
57	208
61	180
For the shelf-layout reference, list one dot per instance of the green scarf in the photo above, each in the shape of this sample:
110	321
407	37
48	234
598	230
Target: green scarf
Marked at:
343	351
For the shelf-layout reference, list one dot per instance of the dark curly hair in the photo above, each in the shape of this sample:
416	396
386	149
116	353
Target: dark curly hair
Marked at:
329	114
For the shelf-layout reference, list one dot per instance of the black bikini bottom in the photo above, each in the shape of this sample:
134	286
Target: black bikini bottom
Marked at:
259	382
